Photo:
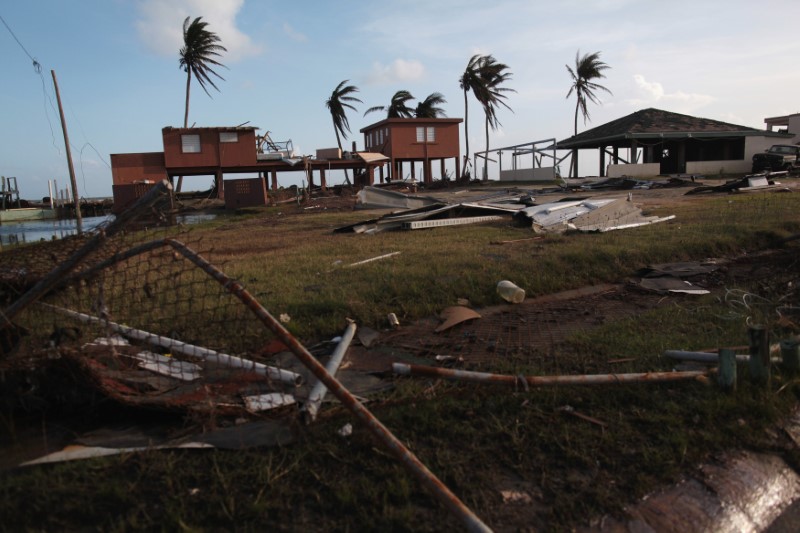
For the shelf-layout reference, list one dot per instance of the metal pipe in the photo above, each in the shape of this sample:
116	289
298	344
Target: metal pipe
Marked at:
586	379
318	392
392	443
704	357
57	274
284	376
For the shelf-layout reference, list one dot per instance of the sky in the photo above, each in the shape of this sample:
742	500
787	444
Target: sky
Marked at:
117	67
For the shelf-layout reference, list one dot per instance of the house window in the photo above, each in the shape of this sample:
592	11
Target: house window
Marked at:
420	134
380	136
431	134
190	144
228	137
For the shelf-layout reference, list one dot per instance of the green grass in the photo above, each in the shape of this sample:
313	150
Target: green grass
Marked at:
475	438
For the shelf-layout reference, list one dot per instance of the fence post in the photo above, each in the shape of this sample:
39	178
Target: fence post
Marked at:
759	354
727	369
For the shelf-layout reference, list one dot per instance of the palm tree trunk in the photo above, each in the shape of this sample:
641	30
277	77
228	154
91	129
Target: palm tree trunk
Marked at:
186	119
466	132
188	86
573	168
339	143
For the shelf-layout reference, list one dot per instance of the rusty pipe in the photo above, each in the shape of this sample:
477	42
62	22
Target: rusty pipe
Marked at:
537	381
381	432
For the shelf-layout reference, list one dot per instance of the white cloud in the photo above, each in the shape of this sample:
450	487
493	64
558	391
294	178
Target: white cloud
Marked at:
400	70
653	93
160	25
293	34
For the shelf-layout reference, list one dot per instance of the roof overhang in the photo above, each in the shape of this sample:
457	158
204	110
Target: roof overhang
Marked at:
611	139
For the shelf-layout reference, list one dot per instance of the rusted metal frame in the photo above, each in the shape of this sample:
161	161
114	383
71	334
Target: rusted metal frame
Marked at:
57	274
318	392
284	376
414	465
524	381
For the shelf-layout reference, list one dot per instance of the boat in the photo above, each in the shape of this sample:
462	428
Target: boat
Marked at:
13	209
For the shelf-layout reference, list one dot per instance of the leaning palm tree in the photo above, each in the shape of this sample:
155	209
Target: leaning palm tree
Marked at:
397	108
587	68
339	101
429	108
491	95
470	80
197	56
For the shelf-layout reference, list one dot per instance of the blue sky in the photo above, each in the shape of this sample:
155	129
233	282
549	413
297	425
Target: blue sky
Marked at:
120	82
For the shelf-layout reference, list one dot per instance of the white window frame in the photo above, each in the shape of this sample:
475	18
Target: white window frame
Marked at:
190	143
430	134
420	134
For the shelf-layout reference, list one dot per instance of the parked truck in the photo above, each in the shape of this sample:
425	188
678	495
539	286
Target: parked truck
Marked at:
778	157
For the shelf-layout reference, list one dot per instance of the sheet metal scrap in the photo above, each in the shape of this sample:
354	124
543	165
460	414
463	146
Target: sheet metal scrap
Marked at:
586	215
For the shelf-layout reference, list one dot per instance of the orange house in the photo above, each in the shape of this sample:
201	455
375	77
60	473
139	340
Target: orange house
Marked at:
415	140
217	151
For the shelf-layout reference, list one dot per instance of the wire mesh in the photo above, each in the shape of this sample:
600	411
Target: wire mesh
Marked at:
141	321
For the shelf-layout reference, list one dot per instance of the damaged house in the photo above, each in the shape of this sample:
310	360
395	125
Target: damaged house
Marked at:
654	142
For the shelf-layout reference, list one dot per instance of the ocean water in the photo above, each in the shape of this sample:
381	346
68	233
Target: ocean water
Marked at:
38	230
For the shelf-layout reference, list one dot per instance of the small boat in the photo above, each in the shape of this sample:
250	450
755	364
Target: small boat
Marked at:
12	209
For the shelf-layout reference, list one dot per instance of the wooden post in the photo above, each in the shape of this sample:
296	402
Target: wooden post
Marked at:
76	198
759	354
790	352
727	369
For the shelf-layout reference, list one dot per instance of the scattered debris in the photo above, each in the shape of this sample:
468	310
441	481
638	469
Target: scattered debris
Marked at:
535	381
375	198
751	183
571	411
587	215
365	261
318	392
455	315
265	402
670	284
509	292
367	336
346	430
394	323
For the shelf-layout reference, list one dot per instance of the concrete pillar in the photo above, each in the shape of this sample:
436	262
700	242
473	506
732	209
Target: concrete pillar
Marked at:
322	182
441	168
274	179
427	172
413	172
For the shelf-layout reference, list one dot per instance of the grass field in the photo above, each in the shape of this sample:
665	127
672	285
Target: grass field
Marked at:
484	442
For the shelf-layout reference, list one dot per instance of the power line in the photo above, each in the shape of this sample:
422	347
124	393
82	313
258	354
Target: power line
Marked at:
36	64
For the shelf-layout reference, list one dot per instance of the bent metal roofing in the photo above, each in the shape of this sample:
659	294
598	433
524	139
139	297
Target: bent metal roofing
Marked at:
655	123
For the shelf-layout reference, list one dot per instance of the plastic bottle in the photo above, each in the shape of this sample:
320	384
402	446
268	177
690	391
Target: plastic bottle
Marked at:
510	292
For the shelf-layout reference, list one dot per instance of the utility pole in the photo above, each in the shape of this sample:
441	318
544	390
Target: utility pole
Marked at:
75	197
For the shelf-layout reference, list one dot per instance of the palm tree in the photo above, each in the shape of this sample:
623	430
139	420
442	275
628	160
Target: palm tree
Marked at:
397	108
198	55
470	81
428	108
491	94
587	68
337	104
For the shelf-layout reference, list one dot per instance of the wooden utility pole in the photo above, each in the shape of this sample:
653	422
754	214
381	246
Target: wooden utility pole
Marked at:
75	197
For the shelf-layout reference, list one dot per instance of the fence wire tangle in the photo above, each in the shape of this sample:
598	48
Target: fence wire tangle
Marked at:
151	322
